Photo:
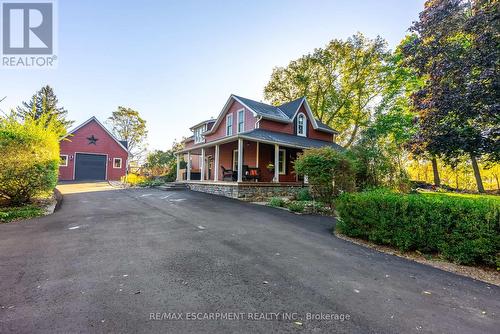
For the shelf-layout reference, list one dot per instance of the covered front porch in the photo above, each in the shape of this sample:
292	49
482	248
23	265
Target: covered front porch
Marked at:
239	161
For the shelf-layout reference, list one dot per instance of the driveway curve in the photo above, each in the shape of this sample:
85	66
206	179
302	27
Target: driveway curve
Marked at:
144	260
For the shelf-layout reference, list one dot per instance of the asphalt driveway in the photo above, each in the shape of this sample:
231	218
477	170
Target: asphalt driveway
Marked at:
120	261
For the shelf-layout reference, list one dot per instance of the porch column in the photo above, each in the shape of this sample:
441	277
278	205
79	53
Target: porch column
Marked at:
240	160
178	176
276	163
188	176
216	164
257	156
202	167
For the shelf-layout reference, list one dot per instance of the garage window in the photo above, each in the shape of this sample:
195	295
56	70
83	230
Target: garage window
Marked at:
63	161
117	163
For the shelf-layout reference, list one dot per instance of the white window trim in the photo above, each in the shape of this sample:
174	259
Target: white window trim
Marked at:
282	151
121	163
228	124
304	126
238	120
67	157
235	160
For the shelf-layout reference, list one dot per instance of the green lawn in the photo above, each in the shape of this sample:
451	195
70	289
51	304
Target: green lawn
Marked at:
9	214
473	196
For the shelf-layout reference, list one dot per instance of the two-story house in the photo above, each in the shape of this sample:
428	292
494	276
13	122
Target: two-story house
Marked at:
252	141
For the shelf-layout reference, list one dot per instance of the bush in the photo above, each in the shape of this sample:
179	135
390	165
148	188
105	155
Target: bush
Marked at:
464	230
277	202
330	172
133	179
304	195
29	158
296	206
151	182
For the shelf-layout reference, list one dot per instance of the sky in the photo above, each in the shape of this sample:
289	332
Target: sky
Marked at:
177	62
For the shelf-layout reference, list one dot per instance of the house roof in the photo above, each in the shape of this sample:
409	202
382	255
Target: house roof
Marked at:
290	108
284	113
287	139
123	144
202	123
262	109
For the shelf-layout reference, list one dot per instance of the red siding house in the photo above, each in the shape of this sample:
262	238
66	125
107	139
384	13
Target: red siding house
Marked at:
91	152
252	141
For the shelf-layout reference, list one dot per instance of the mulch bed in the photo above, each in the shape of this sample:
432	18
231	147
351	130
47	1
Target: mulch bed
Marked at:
481	273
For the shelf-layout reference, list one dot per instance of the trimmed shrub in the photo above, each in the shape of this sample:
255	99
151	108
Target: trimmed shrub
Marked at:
29	158
296	206
330	172
465	230
277	202
304	195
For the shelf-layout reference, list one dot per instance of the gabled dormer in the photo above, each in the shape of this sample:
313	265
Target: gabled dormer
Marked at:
199	129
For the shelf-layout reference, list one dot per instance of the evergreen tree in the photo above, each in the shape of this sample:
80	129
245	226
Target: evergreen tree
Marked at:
45	102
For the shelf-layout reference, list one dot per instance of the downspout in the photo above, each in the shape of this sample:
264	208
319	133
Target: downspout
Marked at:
257	123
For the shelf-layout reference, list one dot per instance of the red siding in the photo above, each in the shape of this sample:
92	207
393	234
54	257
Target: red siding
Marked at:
315	134
104	145
189	144
220	132
276	126
290	128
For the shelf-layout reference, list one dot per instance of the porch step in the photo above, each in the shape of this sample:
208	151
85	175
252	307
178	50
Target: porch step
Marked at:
172	186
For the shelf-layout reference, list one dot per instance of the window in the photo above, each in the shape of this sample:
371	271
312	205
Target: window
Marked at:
198	137
301	125
282	162
229	125
235	160
63	162
117	163
241	120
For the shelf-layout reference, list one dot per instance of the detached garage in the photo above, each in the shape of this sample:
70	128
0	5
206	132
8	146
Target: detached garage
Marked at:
91	153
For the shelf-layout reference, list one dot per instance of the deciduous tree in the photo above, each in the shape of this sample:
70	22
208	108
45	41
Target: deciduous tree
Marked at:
340	81
128	125
456	53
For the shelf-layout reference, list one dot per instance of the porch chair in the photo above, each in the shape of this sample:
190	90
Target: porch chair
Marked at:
227	173
252	174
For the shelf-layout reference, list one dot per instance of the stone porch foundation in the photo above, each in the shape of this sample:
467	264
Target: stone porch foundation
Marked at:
246	191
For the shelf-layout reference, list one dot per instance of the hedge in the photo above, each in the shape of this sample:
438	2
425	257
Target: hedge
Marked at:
29	159
465	230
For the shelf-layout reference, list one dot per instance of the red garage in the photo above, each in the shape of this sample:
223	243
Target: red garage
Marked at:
91	152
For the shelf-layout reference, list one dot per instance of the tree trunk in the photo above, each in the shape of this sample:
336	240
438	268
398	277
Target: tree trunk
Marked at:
477	175
435	171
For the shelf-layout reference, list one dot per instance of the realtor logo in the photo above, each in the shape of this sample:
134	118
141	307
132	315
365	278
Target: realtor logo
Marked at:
28	29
